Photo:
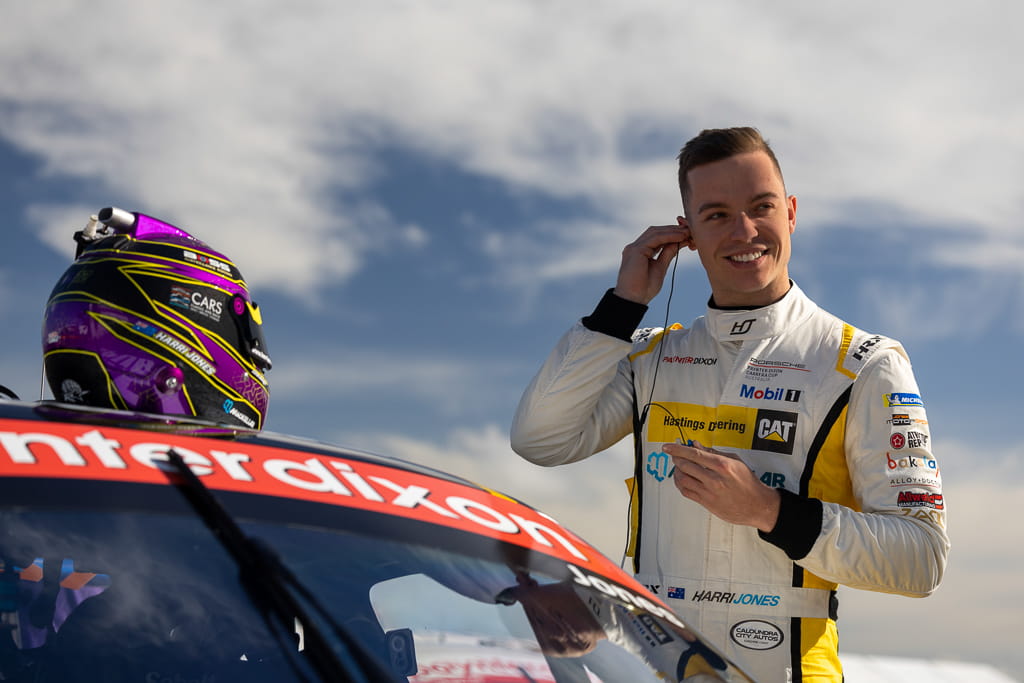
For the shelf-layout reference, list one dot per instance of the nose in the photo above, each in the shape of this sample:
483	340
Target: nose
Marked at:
744	229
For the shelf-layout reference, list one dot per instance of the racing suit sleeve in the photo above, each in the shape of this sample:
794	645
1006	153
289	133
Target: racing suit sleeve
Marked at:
581	400
896	542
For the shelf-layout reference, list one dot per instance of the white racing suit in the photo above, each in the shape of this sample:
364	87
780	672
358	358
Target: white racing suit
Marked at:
829	415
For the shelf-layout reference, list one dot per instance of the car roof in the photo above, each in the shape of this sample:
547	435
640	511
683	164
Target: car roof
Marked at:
52	411
75	446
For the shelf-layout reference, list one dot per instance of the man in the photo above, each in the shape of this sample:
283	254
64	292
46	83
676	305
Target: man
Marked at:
780	451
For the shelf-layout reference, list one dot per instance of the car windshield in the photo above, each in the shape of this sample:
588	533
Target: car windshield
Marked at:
134	595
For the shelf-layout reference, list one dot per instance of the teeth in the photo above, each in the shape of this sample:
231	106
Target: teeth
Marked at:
744	258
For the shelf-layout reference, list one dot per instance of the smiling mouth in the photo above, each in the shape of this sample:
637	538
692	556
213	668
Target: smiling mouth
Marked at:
749	256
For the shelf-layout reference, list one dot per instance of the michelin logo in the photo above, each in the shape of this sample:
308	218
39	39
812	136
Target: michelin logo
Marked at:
902	399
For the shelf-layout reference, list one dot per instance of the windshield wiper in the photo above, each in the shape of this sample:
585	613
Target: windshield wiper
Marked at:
270	585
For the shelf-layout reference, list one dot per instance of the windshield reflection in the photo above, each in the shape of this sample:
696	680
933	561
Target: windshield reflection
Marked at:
119	596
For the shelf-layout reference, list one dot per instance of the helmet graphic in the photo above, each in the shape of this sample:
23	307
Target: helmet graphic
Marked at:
151	319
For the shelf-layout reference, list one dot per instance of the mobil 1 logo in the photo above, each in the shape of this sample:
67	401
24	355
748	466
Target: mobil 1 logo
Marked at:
775	431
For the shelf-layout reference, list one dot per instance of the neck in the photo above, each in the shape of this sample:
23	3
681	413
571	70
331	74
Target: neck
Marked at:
749	306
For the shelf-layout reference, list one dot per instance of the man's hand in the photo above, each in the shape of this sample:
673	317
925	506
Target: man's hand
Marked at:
724	485
646	260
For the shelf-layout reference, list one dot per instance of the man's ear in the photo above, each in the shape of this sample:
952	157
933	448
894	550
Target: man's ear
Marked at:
683	223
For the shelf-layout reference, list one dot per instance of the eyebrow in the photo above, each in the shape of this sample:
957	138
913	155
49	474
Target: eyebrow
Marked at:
719	205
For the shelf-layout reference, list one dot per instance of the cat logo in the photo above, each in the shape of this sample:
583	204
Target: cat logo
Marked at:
775	431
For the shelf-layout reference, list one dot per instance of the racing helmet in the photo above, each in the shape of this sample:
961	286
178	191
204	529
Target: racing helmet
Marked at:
150	319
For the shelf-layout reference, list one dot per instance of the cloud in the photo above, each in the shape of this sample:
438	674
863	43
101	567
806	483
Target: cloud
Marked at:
556	251
216	118
431	383
178	114
961	305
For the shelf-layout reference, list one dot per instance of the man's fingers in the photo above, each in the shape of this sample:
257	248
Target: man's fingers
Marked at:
658	236
663	260
657	243
645	261
678	450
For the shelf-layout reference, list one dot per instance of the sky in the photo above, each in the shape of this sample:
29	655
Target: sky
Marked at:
423	196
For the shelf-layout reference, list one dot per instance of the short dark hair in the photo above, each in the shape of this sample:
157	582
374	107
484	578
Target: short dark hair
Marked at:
715	144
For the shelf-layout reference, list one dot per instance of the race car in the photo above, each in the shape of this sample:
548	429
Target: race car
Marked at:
138	547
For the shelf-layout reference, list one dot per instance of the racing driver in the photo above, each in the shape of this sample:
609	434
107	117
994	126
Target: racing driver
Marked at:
779	450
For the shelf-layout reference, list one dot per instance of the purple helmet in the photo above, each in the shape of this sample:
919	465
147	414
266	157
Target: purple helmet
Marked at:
151	319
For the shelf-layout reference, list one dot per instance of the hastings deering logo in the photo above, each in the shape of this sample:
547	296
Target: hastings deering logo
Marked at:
775	431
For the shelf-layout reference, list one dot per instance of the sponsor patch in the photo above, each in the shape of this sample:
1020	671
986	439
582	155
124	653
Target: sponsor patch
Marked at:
742	326
754	634
770	393
206	261
690	360
775	431
659	466
901	399
179	296
917	439
866	347
916	499
723	427
231	409
195	301
766	368
927	480
911	462
775	480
